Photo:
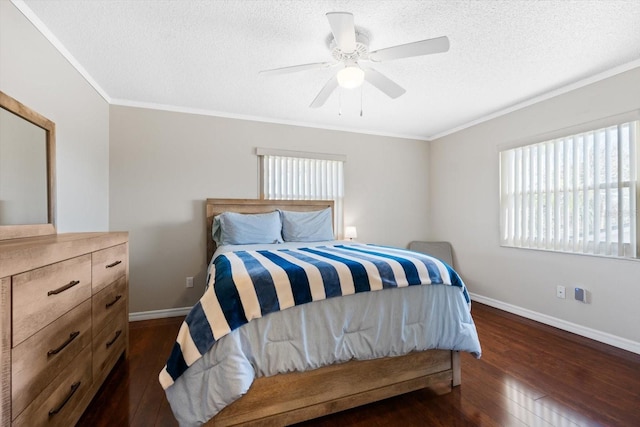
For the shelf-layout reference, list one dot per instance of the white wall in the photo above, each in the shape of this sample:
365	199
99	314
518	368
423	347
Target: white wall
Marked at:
464	191
163	165
36	74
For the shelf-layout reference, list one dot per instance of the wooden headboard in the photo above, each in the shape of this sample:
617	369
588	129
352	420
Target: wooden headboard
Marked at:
253	206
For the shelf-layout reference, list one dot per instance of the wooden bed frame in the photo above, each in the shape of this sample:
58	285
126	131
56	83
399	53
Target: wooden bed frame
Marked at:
286	399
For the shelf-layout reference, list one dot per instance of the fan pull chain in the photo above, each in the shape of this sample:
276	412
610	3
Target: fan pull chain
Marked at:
339	102
361	89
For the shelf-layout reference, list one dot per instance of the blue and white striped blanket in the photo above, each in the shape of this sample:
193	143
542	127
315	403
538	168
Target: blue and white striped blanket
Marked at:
246	285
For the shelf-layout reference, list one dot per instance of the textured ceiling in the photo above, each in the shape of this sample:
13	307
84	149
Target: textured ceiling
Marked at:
204	56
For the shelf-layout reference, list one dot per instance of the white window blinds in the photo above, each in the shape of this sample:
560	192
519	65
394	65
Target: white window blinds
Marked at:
304	176
573	194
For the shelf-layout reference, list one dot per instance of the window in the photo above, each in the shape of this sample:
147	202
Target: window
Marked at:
576	193
291	175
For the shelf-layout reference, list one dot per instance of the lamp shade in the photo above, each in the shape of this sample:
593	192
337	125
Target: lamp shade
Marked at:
350	232
350	77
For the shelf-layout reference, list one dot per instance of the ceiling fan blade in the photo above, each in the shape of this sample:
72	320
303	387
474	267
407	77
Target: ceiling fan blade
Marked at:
296	68
385	84
343	30
324	93
424	47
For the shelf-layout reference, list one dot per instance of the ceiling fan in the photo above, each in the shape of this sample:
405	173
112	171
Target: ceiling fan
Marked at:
351	48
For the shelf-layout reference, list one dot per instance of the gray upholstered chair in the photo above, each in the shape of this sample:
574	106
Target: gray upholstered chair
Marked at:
440	250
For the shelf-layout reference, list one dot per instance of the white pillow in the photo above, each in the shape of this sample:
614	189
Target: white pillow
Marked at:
231	228
307	226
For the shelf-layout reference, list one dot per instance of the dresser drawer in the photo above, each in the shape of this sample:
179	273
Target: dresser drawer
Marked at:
109	343
58	404
42	295
108	265
41	357
109	303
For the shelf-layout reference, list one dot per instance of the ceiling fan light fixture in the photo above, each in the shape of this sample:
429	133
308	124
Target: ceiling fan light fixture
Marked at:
350	77
349	45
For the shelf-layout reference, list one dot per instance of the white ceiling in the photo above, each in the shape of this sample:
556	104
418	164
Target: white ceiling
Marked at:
204	56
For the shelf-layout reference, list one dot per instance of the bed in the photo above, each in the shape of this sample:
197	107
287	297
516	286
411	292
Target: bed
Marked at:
322	355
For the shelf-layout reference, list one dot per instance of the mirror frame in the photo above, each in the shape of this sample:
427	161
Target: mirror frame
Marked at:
31	230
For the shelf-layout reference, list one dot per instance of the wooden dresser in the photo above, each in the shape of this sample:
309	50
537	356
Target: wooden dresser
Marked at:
63	323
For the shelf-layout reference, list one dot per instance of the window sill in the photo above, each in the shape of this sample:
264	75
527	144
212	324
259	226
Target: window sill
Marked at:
611	257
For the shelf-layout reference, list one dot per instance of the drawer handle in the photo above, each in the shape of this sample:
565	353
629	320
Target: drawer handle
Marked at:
109	304
113	264
74	388
72	336
110	343
71	284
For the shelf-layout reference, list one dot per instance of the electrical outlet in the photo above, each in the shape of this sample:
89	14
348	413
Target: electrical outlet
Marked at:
189	282
560	292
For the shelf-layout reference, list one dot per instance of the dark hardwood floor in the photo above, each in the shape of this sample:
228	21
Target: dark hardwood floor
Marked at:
529	375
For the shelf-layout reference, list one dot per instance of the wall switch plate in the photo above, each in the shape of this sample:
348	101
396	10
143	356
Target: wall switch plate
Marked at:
560	292
580	295
189	282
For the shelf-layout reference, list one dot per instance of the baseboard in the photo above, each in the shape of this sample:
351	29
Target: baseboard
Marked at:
616	341
159	314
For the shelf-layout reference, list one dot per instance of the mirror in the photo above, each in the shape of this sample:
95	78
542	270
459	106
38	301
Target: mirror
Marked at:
27	171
